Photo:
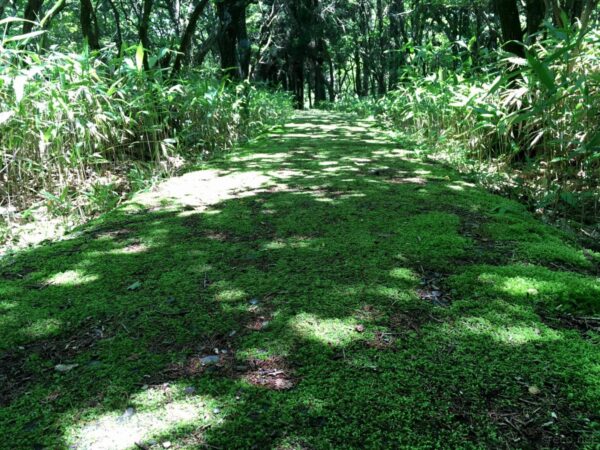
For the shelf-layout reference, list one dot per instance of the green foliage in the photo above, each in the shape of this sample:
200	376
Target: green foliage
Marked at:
74	123
538	122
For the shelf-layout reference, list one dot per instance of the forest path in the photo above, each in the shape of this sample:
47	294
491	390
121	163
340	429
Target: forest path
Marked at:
323	287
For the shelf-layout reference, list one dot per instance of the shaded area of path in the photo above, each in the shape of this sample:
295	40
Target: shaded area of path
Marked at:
323	287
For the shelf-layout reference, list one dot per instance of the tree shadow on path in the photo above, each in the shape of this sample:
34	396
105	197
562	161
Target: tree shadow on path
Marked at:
321	288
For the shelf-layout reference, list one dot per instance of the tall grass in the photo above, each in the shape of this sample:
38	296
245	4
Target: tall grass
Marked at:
76	131
533	129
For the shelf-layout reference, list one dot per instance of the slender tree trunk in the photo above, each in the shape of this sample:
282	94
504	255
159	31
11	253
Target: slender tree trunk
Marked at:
46	22
58	7
143	29
119	37
296	81
510	23
535	11
575	9
243	42
397	33
365	77
382	66
32	14
89	25
188	34
331	84
320	95
227	40
358	86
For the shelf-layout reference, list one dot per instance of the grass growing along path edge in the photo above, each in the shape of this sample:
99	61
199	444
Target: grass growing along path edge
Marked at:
323	287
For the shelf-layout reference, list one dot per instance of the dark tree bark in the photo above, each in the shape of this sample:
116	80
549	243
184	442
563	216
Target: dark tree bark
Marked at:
119	36
188	34
512	34
358	85
574	9
331	83
32	14
398	35
363	21
382	59
297	82
231	14
89	24
243	42
366	74
265	67
320	95
535	11
143	29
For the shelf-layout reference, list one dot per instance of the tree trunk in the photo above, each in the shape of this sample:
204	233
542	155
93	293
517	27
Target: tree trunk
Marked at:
397	33
243	42
54	11
331	84
365	77
227	40
297	82
320	95
382	63
32	13
358	77
119	37
535	11
144	28
89	25
510	23
188	34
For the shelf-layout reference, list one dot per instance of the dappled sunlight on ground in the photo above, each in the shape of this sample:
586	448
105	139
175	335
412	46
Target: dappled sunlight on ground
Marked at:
123	431
322	287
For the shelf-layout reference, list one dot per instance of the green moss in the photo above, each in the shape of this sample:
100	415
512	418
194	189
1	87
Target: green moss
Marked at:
322	278
532	284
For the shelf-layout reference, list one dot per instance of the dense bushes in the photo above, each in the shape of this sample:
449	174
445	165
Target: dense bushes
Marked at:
534	130
78	131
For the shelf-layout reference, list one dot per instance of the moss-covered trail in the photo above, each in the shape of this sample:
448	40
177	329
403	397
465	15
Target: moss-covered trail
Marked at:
324	287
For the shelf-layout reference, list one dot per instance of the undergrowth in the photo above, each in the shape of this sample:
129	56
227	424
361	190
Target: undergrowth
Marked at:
78	133
530	131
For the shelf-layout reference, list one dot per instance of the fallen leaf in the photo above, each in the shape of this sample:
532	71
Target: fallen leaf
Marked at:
134	286
65	367
534	390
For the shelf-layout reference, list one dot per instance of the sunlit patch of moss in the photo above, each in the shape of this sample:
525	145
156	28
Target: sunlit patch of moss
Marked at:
328	331
393	295
293	242
6	306
116	431
231	295
504	331
404	274
534	284
42	328
553	251
72	278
